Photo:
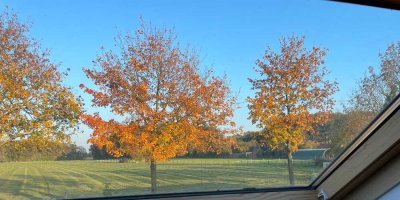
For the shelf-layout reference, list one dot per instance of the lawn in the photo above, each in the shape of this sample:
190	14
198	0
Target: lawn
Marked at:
57	179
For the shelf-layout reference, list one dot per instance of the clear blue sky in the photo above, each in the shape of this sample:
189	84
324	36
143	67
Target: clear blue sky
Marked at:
230	34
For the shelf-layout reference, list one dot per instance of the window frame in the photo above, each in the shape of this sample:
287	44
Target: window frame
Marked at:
375	146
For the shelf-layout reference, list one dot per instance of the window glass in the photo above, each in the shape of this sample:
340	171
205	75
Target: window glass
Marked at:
146	97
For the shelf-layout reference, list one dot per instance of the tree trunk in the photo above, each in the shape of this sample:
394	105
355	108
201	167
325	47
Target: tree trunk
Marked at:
290	167
153	177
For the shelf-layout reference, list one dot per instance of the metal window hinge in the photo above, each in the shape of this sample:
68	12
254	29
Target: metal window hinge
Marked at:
322	195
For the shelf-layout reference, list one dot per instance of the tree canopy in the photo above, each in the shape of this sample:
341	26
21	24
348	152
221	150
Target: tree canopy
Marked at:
378	88
291	95
169	107
34	103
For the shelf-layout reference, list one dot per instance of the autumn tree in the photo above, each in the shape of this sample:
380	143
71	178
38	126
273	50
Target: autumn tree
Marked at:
341	129
374	91
291	95
34	103
168	106
378	88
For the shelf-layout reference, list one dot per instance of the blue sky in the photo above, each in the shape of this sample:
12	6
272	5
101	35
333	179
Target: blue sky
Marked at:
230	35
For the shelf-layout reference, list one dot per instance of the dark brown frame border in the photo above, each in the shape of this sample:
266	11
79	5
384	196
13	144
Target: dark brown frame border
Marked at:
389	4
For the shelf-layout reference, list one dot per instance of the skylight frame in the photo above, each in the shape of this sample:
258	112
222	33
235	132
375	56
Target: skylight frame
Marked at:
311	189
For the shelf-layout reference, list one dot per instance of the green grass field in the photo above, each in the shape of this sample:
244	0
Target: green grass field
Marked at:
54	179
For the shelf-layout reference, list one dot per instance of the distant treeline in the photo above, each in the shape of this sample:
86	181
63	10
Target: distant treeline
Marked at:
30	150
334	135
101	154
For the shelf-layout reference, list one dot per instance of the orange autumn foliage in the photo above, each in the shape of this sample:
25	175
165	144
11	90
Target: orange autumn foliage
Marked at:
168	106
34	103
291	95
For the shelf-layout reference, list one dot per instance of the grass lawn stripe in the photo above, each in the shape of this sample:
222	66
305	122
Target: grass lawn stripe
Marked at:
51	179
25	179
9	180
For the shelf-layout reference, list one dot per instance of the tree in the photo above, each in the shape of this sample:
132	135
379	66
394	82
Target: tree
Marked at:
338	132
330	133
73	152
373	93
99	153
244	143
291	95
377	89
31	150
34	104
168	106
